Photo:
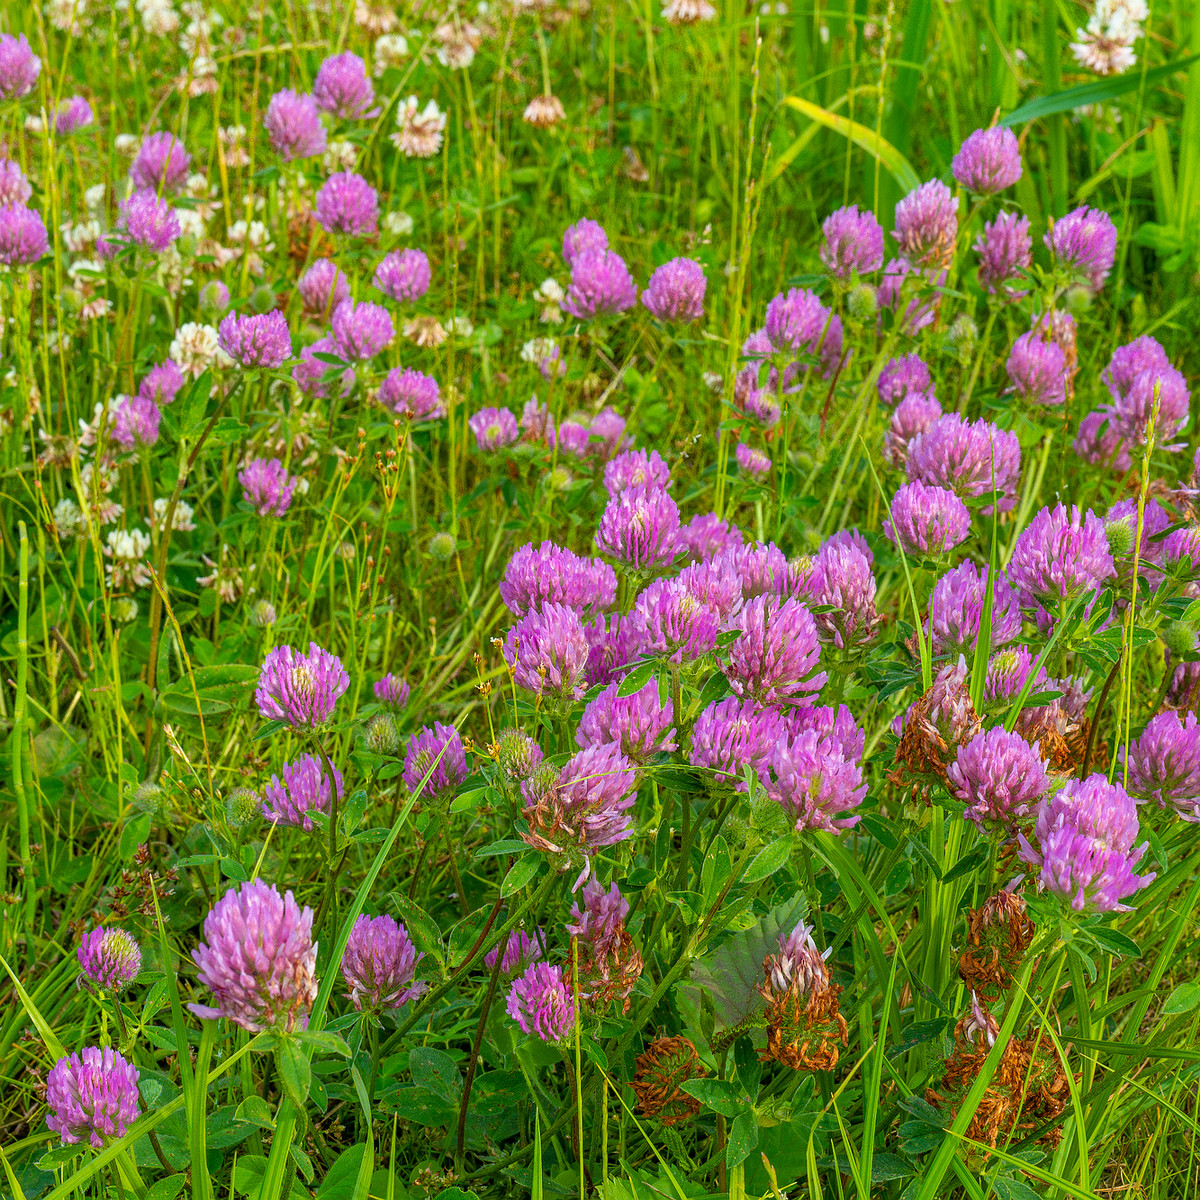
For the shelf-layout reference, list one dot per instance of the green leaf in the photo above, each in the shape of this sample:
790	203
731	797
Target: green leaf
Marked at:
504	846
323	1042
1116	942
1182	1000
168	1188
520	873
770	858
1008	1188
255	1111
1093	93
715	872
636	679
295	1071
743	1137
435	1071
58	1157
134	834
721	1095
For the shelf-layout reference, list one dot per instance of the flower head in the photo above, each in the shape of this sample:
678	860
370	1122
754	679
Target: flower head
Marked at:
437	751
540	1002
313	375
903	377
1037	370
14	187
161	162
1140	377
257	340
412	394
536	575
547	651
135	422
294	125
258	958
403	275
775	658
706	535
841	581
323	287
1085	243
392	691
640	527
147	222
988	161
927	225
1058	556
494	428
304	789
19	69
815	782
584	237
1164	764
421	130
361	330
853	243
671	620
380	964
913	416
342	87
969	459
636	468
999	776
752	461
298	689
1005	249
347	204
676	291
796	320
600	285
640	724
519	951
733	734
93	1094
956	610
1084	846
110	958
927	519
609	965
267	486
161	383
72	114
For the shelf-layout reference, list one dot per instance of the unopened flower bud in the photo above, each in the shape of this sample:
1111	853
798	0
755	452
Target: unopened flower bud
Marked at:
262	614
214	298
1120	538
1077	300
124	610
262	299
242	807
382	735
442	547
862	302
1180	638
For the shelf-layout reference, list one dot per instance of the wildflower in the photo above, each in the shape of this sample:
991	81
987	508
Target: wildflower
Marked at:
1105	45
676	291
421	129
380	964
956	609
1005	250
342	87
72	114
403	275
135	422
706	535
14	187
347	204
389	50
637	468
304	789
640	724
161	383
267	486
435	751
294	126
520	951
258	958
547	651
1058	556
732	734
127	549
913	416
1139	376
853	243
145	221
311	373
668	1062
841	581
815	782
639	527
688	12
110	958
93	1094
904	377
927	225
999	776
544	112
1085	854
799	322
609	964
161	162
969	459
256	340
776	655
517	753
411	394
1085	243
998	934
19	69
804	1023
540	1002
927	520
536	575
600	285
753	462
298	689
1163	765
1037	370
361	330
934	726
584	237
323	287
989	161
1099	441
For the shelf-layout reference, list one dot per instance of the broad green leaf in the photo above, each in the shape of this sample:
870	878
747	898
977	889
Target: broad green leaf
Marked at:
520	873
770	858
1182	1000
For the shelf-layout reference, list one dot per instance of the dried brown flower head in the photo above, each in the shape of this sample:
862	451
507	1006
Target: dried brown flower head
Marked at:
544	112
998	935
661	1068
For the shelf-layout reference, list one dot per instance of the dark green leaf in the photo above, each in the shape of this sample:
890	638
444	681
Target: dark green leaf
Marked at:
770	858
521	872
721	1095
435	1071
295	1072
743	1137
636	679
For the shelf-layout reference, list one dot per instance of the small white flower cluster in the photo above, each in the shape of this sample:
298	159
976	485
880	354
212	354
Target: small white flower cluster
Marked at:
1106	44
